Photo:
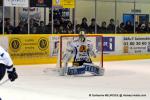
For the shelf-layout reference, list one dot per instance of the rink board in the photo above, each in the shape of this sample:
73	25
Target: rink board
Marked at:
39	49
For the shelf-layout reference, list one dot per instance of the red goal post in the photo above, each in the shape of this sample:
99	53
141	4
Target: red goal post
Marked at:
96	40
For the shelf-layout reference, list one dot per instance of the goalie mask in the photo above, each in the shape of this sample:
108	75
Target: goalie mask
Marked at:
82	36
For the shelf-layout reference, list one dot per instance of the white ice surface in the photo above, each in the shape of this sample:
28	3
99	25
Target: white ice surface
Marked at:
121	77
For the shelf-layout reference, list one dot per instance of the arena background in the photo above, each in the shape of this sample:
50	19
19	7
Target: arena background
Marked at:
122	45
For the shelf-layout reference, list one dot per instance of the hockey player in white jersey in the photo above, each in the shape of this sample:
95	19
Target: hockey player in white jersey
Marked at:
81	50
6	64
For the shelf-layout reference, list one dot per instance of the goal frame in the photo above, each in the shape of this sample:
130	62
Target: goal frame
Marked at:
76	35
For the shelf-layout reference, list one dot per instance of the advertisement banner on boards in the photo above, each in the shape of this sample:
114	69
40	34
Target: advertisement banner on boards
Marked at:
136	44
29	47
57	3
108	44
16	3
68	3
41	3
54	45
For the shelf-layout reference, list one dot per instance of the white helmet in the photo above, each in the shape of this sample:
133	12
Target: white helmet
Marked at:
82	36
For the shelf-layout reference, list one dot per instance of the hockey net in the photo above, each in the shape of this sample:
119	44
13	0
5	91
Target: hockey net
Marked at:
96	40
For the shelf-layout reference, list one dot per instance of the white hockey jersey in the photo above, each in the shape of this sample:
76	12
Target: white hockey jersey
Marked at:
81	50
5	57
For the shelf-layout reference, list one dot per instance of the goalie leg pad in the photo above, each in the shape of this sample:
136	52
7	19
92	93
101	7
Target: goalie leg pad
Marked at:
67	56
76	70
94	69
101	71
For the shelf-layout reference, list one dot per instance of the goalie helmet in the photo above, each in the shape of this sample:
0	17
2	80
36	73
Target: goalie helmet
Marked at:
82	36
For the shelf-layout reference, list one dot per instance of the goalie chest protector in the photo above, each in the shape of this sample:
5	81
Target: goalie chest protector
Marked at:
81	51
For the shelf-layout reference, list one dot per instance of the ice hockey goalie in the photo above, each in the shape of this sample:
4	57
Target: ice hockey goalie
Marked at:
81	50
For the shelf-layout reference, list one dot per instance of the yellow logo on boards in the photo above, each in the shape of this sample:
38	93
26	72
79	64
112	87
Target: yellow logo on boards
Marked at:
15	44
43	43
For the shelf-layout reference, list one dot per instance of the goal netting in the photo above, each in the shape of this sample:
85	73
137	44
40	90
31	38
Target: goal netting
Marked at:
64	41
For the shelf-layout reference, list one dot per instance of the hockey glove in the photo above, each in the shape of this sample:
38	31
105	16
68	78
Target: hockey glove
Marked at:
12	75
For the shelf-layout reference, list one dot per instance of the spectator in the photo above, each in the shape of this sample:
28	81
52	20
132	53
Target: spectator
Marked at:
92	26
148	27
78	28
129	27
63	22
121	28
69	27
143	28
84	25
49	27
1	27
55	31
20	29
111	26
137	27
33	23
60	30
8	27
42	28
56	25
103	28
33	30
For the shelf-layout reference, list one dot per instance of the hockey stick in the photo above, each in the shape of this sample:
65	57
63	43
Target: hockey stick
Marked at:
4	82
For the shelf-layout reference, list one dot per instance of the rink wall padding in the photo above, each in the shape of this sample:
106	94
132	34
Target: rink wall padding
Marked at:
43	49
